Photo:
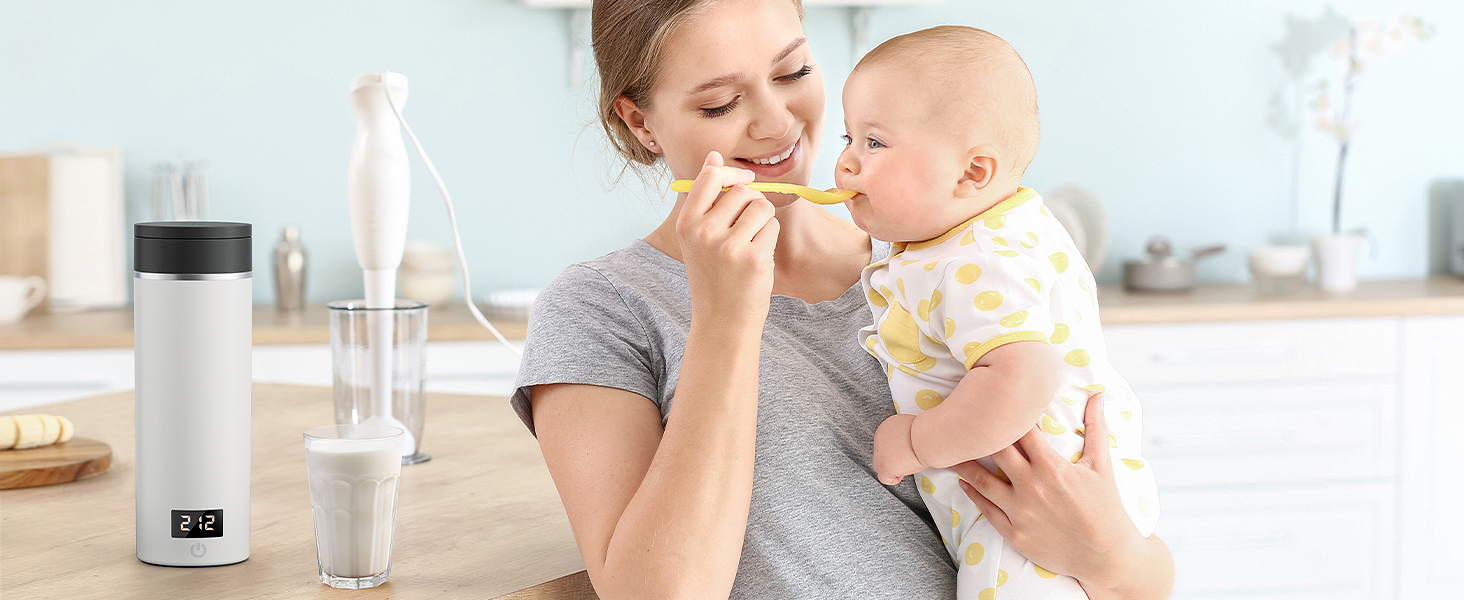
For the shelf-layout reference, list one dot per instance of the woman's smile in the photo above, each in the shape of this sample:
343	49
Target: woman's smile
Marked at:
773	164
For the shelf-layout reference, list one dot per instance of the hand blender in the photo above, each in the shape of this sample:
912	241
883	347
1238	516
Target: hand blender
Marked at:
379	190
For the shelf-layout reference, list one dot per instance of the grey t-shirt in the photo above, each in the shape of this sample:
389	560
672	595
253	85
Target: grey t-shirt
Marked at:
821	525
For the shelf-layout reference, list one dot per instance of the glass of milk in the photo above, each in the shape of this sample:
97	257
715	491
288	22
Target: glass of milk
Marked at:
353	491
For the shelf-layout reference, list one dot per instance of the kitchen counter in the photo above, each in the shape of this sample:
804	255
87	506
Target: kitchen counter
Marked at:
1223	302
112	328
480	520
1241	302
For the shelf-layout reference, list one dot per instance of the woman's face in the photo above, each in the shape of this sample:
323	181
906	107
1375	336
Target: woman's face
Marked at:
739	78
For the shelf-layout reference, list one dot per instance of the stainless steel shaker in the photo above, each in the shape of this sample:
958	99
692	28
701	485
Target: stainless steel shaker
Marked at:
192	325
289	271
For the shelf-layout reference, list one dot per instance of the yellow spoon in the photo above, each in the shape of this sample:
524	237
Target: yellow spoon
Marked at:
833	196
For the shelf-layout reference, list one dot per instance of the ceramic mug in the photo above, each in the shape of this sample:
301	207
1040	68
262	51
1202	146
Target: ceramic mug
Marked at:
18	295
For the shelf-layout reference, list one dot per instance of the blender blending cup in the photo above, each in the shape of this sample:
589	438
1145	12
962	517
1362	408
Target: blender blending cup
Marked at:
381	385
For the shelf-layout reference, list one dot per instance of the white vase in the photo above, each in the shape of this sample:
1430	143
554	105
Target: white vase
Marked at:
1336	255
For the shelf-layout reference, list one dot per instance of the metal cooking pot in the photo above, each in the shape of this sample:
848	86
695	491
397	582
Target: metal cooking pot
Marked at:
1162	272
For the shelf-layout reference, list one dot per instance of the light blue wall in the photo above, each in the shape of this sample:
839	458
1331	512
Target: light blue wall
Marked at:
1156	106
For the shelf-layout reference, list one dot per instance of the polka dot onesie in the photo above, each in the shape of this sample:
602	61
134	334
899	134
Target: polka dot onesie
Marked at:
1010	274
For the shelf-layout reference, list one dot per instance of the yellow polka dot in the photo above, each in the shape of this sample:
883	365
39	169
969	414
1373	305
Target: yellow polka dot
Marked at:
1032	236
925	306
969	238
1068	401
1045	213
1077	456
1059	261
1026	245
870	342
1144	509
987	594
1043	573
928	399
955	518
950	327
988	300
974	553
906	263
889	372
1128	414
1077	358
1050	425
1036	285
1060	333
900	283
980	516
994	221
884	291
1001	577
999	241
1133	465
1009	253
934	341
1096	388
930	266
908	371
1015	319
927	485
1112	441
968	273
877	300
897	408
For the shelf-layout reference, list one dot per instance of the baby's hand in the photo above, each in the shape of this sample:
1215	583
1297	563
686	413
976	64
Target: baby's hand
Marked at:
894	457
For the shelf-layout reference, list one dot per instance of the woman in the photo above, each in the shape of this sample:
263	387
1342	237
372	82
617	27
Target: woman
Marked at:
705	410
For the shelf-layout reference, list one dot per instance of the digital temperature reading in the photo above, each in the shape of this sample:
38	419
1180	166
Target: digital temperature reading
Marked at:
198	523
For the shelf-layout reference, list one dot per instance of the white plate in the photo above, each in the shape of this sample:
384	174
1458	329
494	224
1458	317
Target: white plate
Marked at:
1082	215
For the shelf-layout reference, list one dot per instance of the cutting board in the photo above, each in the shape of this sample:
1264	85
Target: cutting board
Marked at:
58	463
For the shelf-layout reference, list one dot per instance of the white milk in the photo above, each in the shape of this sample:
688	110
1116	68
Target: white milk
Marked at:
353	489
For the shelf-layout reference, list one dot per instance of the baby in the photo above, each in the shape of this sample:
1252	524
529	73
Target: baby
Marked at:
986	317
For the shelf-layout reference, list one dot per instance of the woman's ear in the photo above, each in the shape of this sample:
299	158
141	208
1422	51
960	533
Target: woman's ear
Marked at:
981	167
635	119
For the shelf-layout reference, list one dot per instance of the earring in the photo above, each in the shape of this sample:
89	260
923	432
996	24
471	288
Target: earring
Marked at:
653	143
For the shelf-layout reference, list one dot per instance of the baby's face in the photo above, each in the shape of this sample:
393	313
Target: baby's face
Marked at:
898	159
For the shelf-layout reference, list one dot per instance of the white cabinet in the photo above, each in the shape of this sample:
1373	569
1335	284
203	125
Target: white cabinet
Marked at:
1431	565
39	377
1276	449
1304	542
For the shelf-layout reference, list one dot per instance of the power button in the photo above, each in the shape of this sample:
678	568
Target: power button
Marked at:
198	550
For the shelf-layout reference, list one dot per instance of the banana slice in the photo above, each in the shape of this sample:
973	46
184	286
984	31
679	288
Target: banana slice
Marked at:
50	430
8	434
66	429
30	430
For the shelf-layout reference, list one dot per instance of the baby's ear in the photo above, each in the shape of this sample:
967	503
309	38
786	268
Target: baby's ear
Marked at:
981	167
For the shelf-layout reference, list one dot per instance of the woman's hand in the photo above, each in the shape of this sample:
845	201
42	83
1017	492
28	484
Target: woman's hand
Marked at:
1067	517
727	240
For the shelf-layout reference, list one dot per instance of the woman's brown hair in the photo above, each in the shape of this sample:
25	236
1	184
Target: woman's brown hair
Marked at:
629	39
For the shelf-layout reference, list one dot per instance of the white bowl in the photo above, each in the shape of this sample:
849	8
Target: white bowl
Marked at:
1279	261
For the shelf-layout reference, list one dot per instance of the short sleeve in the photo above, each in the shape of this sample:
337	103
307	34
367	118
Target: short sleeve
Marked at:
994	298
581	331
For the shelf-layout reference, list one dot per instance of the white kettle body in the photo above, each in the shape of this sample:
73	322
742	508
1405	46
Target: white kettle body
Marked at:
193	324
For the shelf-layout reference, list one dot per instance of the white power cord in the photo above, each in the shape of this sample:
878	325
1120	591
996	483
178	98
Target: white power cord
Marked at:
457	240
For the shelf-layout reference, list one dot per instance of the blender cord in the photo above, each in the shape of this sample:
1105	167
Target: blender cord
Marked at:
457	240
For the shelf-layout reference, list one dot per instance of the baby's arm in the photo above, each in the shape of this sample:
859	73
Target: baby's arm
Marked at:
998	401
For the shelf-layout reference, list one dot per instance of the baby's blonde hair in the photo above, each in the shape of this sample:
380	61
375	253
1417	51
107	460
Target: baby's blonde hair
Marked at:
990	88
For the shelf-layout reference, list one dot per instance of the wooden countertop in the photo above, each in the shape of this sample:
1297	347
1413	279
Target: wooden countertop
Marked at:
452	322
112	328
480	520
1241	302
